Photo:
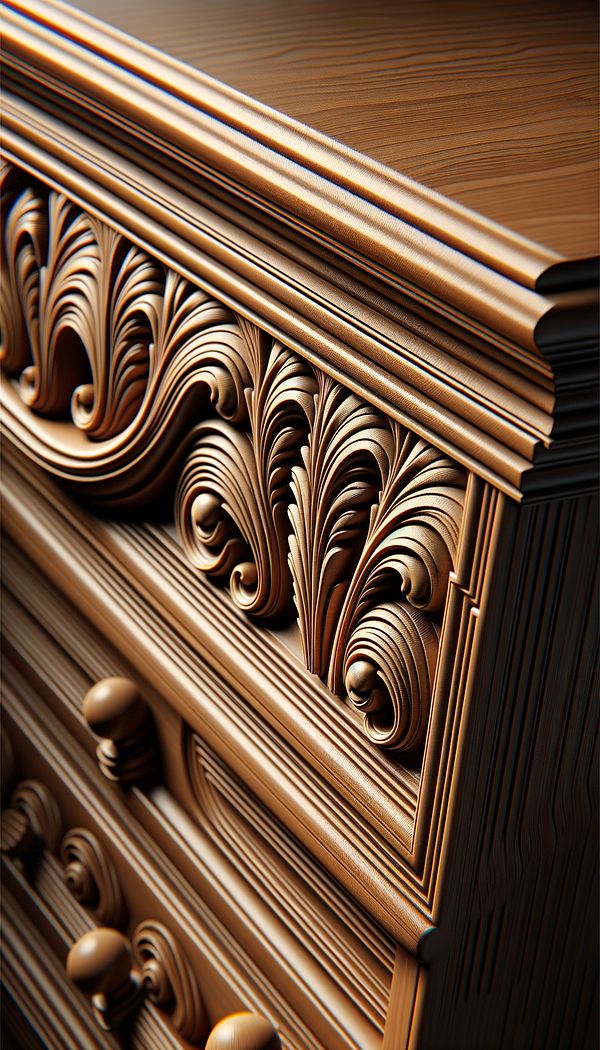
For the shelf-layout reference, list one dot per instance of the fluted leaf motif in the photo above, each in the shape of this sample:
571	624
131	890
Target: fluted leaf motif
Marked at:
292	487
23	247
123	295
60	357
233	496
168	340
376	517
333	492
197	340
93	324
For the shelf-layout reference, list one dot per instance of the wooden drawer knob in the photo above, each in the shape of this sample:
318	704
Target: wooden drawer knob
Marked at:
116	712
114	708
118	976
100	965
243	1031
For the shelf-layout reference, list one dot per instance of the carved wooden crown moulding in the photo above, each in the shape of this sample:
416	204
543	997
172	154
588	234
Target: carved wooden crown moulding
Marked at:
291	486
477	339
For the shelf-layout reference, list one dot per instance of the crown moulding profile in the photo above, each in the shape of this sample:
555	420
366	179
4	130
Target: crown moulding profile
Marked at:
293	166
469	348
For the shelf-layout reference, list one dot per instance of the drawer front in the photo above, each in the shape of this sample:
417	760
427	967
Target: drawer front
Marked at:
260	922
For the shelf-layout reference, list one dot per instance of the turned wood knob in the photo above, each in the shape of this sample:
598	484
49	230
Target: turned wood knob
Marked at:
364	686
115	711
243	1031
100	962
100	965
113	708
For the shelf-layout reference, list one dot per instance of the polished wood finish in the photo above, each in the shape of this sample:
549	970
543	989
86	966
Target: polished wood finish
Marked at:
243	1032
299	499
494	106
115	711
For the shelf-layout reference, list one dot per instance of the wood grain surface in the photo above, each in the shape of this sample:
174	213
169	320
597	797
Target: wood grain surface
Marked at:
493	105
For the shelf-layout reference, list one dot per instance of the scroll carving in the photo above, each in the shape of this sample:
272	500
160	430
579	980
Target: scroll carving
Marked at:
376	522
31	822
168	979
294	490
232	500
91	877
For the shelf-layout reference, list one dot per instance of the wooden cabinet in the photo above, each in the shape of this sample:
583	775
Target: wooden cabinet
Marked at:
299	497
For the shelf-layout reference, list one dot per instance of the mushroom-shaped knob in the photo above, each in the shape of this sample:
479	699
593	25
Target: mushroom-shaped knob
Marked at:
243	1031
207	512
114	709
99	964
364	686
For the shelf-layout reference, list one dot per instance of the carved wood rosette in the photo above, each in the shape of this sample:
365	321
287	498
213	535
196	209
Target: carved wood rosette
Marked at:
91	877
168	979
297	492
32	821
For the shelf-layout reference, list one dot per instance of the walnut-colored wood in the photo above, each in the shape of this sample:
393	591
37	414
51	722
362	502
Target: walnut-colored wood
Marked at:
91	878
114	710
299	487
99	964
243	1031
493	107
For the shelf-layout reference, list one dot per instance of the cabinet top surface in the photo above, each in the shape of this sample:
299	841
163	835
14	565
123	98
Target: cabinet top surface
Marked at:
494	106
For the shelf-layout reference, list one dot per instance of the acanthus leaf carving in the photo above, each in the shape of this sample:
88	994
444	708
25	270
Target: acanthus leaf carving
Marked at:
119	304
23	247
376	516
64	332
293	489
232	499
388	671
408	554
333	491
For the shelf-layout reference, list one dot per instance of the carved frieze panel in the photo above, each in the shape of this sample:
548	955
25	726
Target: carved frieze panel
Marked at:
306	499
